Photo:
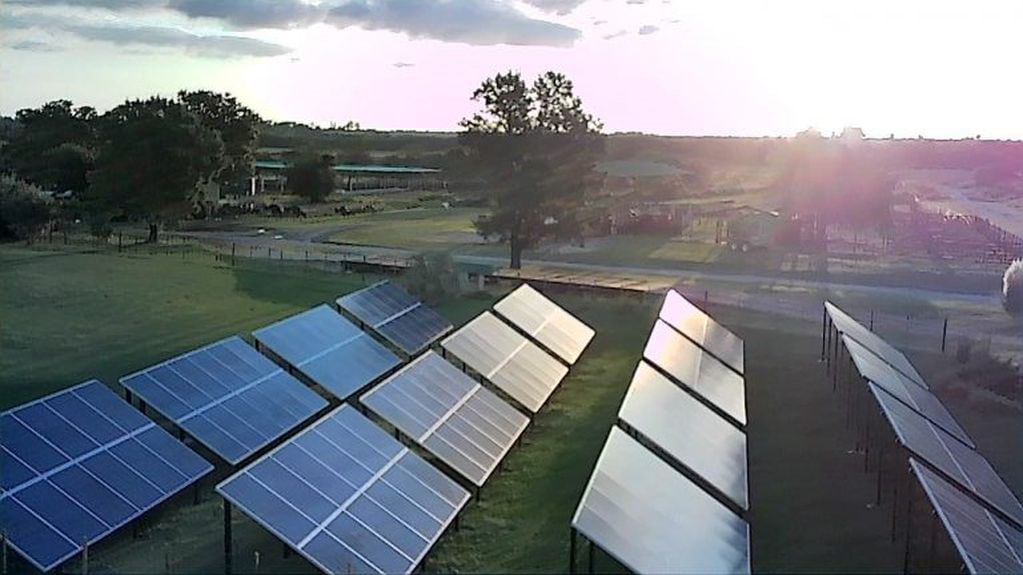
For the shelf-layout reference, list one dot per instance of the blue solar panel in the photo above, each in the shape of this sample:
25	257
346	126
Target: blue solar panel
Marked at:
348	497
328	349
228	396
395	314
79	464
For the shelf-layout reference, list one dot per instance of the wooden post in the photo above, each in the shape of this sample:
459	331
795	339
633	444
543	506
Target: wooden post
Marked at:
232	253
227	537
824	330
119	242
944	334
871	320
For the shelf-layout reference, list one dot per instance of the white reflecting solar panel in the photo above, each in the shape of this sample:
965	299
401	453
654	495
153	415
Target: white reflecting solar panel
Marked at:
874	369
986	543
653	519
688	431
398	316
328	349
228	396
693	323
348	497
458	420
513	363
79	464
546	322
952	457
696	369
844	323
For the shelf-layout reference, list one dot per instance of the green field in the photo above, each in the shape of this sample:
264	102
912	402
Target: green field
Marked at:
66	317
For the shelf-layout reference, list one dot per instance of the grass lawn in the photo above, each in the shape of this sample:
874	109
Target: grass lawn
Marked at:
429	228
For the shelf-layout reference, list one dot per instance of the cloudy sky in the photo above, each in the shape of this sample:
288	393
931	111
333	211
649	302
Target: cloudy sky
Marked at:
683	67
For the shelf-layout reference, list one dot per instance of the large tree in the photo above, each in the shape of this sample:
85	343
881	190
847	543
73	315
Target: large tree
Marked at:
53	146
237	126
537	146
152	157
311	177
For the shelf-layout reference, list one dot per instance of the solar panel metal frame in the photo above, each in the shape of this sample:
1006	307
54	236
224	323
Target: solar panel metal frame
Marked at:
431	369
876	370
80	460
708	377
674	521
703	330
845	324
296	386
468	345
546	322
352	303
377	476
958	513
355	336
962	464
688	431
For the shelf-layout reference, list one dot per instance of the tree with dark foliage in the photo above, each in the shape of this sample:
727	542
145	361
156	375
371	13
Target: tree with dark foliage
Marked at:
53	146
311	177
23	210
237	126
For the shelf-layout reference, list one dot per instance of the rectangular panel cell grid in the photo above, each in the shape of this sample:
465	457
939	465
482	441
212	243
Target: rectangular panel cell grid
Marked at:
874	369
693	323
328	349
513	363
228	396
949	455
77	465
458	420
348	497
696	369
688	431
653	519
844	323
986	543
395	314
546	322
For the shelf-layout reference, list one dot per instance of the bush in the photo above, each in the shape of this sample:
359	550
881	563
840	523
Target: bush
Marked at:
432	277
1012	287
23	209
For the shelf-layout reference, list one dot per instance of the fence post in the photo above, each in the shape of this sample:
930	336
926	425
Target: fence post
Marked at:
944	334
871	320
119	242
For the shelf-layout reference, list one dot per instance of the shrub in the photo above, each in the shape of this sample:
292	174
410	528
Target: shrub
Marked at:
23	209
432	277
1012	287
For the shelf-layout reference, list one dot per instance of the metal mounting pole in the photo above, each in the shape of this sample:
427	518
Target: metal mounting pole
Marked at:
227	537
571	550
909	534
589	560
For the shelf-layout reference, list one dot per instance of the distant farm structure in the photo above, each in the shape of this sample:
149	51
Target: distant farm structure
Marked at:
270	177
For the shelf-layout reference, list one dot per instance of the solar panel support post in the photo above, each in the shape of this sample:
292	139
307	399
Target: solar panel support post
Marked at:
880	473
589	558
3	552
909	534
571	550
127	395
933	545
824	330
227	537
85	557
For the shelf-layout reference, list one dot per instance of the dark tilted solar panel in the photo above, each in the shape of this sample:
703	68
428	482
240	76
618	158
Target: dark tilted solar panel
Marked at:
653	519
874	369
228	396
949	455
688	431
546	322
328	349
844	323
696	369
986	543
398	316
513	363
348	497
79	464
693	323
461	422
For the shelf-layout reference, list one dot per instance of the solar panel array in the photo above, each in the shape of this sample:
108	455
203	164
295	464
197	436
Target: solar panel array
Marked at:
693	323
879	347
348	497
456	419
328	349
507	359
228	396
986	543
399	317
77	465
546	322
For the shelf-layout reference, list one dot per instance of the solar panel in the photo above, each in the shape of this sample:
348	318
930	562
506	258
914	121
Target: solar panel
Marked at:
921	400
228	396
696	369
513	363
950	456
348	497
546	322
844	323
77	465
693	323
395	314
456	419
986	543
328	349
688	431
653	519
